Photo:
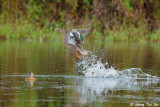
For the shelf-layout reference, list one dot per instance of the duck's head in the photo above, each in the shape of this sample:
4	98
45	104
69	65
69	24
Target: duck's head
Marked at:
30	74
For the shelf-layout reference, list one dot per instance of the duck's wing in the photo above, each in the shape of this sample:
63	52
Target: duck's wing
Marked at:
66	36
84	32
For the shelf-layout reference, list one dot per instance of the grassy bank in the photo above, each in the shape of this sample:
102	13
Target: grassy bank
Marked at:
23	29
113	20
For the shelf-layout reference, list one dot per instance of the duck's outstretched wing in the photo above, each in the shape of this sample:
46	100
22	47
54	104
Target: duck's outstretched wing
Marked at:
84	32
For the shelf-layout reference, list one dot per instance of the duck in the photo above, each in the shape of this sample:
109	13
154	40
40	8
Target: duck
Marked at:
74	40
30	77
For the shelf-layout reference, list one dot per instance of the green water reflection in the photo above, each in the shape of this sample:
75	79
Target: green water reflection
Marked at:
58	83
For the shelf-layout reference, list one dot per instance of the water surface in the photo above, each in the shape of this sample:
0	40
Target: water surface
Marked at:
113	74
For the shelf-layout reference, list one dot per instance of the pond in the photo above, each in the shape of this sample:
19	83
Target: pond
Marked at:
112	74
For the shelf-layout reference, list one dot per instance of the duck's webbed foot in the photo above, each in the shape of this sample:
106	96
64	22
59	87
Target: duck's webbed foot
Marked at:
82	56
78	56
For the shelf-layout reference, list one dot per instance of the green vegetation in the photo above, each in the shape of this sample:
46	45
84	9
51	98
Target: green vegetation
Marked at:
25	30
114	20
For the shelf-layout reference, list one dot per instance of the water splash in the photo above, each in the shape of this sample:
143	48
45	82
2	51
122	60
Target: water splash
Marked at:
103	79
91	67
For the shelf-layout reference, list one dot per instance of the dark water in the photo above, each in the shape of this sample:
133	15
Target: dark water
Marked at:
112	75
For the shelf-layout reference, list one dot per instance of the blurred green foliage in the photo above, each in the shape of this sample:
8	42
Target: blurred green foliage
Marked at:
115	20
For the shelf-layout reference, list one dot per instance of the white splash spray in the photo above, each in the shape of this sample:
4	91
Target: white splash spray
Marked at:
91	67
